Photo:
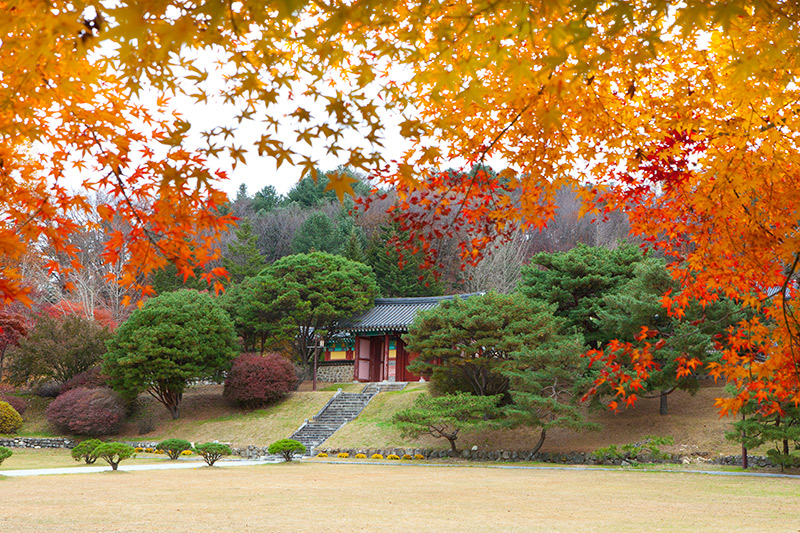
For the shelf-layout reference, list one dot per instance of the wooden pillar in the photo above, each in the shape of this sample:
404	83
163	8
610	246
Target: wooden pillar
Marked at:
385	357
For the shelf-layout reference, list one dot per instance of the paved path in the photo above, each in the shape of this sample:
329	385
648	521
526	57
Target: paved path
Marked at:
127	468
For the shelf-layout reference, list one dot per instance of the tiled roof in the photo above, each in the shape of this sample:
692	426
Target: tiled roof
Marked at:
394	314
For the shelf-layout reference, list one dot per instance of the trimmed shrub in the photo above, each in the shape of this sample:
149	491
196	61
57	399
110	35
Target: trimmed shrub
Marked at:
393	457
174	447
377	456
91	412
256	380
361	456
406	457
322	454
343	455
287	448
85	451
10	421
211	452
19	404
419	457
113	453
90	379
5	453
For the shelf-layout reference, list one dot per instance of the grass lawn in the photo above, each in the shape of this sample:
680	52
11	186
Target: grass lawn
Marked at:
692	422
320	497
26	458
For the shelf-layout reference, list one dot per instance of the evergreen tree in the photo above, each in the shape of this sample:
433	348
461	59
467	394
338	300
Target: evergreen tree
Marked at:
637	303
266	200
243	258
394	281
578	281
317	234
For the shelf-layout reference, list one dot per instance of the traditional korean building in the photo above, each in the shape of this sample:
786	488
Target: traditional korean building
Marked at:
372	339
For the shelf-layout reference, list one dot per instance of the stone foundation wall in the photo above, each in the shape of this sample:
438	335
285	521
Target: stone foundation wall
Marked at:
35	442
336	372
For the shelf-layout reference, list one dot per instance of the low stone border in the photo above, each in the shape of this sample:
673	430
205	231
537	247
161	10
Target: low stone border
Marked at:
37	442
572	458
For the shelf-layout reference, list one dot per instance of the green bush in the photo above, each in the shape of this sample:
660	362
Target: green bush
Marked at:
10	421
174	447
287	448
85	451
5	453
211	452
113	453
650	445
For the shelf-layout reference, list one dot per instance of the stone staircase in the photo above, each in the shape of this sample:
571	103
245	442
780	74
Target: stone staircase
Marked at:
383	386
342	408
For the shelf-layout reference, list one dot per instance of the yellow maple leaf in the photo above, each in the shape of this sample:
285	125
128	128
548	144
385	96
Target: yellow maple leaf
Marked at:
341	184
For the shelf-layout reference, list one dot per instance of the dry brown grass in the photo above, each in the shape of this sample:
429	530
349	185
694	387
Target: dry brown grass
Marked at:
26	458
320	497
205	416
692	422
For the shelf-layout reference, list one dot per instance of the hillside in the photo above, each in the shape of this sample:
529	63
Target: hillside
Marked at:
693	423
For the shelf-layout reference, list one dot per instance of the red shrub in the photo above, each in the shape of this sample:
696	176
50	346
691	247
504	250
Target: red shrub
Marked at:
256	380
90	379
85	411
19	404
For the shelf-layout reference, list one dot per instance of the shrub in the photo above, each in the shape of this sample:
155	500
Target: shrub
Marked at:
393	457
186	453
10	421
406	457
90	379
255	381
19	404
377	456
149	450
343	455
138	449
650	445
90	412
322	454
57	349
85	451
287	448
50	389
361	456
174	447
418	457
211	452
113	453
5	453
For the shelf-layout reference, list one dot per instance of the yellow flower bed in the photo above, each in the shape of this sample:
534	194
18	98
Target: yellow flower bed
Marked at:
343	455
322	454
377	456
393	457
186	452
406	457
361	456
419	457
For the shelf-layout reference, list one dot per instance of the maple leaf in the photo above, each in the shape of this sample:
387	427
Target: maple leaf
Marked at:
340	183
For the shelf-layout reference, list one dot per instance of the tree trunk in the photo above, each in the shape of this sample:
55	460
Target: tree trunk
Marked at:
744	449
538	445
662	407
453	450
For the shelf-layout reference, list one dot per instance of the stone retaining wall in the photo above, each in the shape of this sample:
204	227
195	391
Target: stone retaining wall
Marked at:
573	458
36	442
338	372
